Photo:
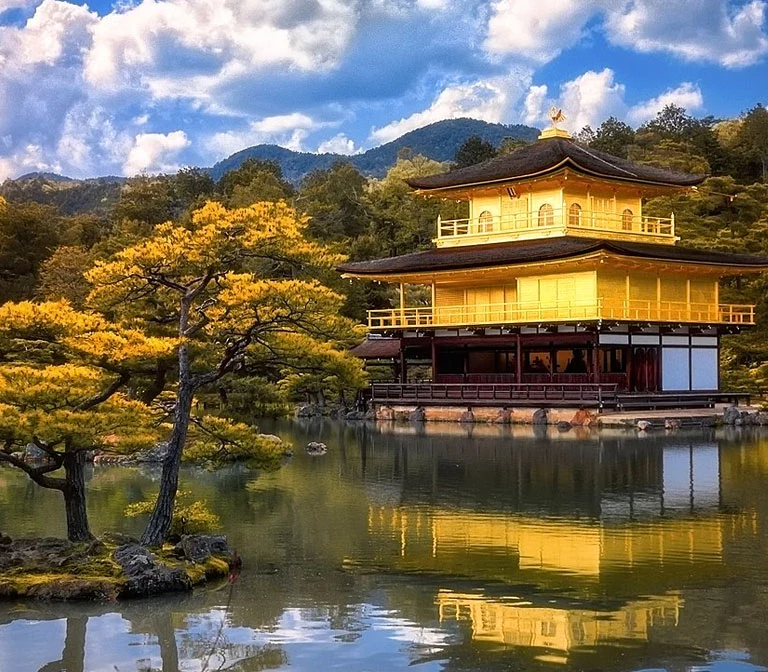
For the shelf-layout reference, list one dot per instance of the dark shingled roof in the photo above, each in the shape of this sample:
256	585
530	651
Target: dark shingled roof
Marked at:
550	155
548	249
377	348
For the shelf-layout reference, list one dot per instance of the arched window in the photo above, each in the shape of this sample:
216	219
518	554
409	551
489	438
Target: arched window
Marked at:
574	215
546	215
485	221
626	220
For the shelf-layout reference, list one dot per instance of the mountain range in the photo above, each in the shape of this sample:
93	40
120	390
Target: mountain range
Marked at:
438	141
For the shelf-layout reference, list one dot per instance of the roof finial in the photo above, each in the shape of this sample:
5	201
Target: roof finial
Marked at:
556	116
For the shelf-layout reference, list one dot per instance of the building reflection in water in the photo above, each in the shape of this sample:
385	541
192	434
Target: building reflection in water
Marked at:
482	549
558	630
649	520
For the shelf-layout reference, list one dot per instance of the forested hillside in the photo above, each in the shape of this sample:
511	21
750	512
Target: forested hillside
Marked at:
439	141
44	248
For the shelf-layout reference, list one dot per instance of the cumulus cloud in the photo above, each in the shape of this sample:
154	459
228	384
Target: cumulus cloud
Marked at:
338	144
488	99
5	5
719	31
141	47
686	95
538	31
587	100
287	130
592	97
155	152
77	89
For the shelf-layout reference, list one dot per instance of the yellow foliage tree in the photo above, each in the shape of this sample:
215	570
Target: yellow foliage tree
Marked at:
63	378
237	291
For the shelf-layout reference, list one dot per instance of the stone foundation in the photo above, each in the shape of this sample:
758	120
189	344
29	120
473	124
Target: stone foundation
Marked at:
487	414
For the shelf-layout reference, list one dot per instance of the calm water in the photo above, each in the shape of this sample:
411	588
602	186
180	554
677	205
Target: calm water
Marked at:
450	549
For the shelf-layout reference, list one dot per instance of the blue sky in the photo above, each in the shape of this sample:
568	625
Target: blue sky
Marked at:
150	85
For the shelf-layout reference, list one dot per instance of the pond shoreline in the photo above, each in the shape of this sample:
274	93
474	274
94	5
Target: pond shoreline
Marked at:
109	568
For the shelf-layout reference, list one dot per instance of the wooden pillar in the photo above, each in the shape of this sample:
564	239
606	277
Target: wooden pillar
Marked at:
519	356
403	365
434	360
596	360
402	304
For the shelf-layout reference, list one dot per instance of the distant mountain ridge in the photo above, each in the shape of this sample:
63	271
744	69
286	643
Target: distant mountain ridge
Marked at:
438	141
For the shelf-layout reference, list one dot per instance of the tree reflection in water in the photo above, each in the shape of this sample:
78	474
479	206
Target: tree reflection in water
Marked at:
454	548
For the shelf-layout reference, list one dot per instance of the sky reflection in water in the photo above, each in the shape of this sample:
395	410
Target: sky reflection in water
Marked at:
455	549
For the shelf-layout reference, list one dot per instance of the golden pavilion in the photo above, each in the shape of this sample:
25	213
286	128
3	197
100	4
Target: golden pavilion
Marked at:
557	289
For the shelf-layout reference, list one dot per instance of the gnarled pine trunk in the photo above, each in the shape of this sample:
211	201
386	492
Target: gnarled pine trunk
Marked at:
74	496
162	515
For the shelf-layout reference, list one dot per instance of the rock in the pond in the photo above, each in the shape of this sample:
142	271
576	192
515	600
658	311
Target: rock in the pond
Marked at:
672	424
564	426
467	416
33	453
316	448
417	414
200	547
503	417
643	425
584	418
154	455
144	575
103	459
731	414
540	416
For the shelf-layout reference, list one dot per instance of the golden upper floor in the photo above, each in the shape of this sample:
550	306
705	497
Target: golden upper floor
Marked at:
554	187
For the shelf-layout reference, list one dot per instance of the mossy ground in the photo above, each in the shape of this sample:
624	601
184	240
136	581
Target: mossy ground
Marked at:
88	571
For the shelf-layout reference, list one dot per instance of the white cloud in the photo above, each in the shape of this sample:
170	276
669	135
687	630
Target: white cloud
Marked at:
538	31
718	31
535	104
5	5
338	144
287	130
155	152
58	33
149	43
488	99
282	123
686	95
592	97
586	100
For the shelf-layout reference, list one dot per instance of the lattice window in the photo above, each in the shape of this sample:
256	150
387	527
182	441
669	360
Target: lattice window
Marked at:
574	215
485	221
626	219
546	215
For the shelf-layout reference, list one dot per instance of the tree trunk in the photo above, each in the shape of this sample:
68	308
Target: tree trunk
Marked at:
162	515
74	496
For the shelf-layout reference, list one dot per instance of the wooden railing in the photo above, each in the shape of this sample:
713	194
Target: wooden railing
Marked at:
597	394
563	311
559	218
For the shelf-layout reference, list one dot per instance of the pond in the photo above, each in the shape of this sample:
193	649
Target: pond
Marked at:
445	548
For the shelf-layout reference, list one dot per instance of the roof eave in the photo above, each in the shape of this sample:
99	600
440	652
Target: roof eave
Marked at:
568	161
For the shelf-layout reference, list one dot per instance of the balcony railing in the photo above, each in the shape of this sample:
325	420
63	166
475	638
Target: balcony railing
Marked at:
564	311
560	219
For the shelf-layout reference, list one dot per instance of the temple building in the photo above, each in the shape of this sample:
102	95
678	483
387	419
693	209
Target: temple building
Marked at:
557	289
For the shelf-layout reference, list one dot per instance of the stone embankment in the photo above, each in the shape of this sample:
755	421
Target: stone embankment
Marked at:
565	418
109	568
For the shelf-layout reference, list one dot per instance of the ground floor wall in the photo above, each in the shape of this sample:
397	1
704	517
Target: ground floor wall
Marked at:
635	358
